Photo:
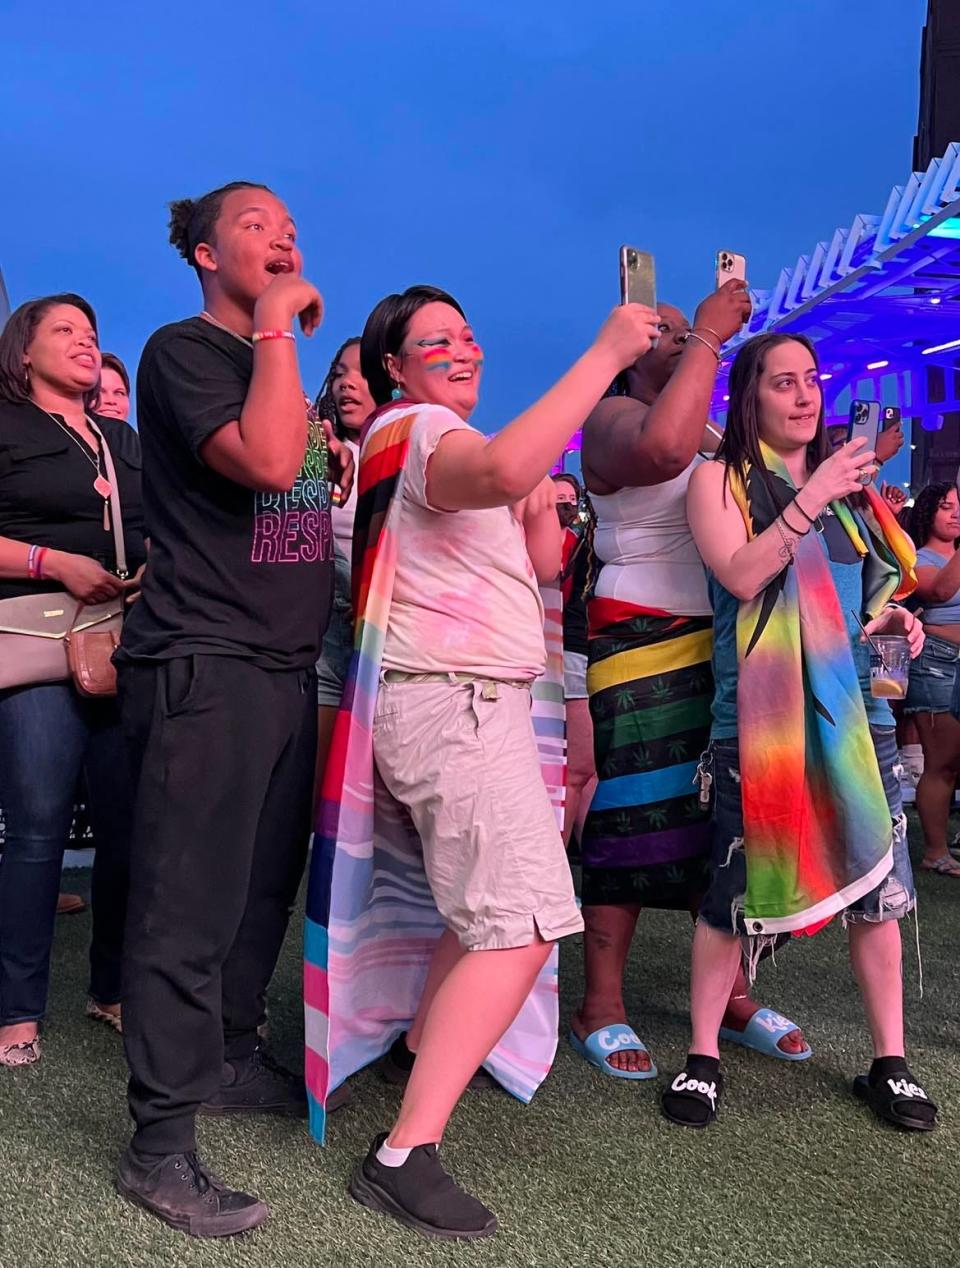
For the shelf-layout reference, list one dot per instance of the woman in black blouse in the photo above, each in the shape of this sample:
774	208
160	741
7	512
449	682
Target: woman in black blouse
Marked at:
52	495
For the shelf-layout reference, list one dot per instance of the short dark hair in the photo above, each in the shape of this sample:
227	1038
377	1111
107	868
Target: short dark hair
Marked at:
194	220
110	361
326	408
386	329
569	478
17	336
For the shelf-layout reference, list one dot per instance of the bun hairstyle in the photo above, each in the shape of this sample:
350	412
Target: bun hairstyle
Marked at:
386	329
194	220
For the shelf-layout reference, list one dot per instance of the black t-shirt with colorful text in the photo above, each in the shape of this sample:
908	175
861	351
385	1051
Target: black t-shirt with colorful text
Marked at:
232	572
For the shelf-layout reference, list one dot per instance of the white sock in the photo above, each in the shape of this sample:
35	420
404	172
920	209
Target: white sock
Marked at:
393	1157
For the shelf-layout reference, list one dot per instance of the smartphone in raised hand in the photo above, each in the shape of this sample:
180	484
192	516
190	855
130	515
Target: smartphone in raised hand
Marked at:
638	281
889	417
730	266
864	421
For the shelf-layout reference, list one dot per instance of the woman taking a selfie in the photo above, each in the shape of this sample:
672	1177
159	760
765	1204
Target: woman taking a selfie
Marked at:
56	536
808	822
935	527
453	531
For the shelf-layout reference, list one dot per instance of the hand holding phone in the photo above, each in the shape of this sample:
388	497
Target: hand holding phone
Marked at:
864	421
730	267
638	283
723	312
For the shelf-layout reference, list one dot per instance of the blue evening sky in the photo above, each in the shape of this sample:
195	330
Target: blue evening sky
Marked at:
501	150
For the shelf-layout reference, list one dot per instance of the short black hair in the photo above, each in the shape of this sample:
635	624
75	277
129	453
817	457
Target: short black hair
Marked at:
568	478
386	329
110	361
17	336
194	220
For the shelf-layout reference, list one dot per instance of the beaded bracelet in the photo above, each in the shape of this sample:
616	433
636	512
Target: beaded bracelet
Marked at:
41	555
259	336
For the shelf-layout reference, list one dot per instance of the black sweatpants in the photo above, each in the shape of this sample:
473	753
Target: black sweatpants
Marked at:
223	757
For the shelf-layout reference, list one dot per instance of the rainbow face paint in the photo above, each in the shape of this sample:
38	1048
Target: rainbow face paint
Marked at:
436	353
436	356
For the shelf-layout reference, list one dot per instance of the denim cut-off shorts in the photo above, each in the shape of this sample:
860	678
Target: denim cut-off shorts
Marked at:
722	908
933	676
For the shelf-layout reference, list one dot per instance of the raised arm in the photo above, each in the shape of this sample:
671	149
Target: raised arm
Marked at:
745	567
264	448
466	471
628	444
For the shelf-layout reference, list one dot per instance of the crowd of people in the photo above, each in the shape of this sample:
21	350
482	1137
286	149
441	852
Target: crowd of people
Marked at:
297	654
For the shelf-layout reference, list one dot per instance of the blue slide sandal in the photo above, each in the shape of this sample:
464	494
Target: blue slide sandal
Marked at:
604	1043
763	1032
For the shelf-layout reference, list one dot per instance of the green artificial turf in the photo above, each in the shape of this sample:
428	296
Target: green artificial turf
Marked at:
795	1172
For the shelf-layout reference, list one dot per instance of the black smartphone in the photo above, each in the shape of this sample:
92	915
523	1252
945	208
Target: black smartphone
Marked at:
889	417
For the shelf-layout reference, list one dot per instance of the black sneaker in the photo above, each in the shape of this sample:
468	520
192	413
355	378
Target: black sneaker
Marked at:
397	1066
258	1085
421	1194
184	1194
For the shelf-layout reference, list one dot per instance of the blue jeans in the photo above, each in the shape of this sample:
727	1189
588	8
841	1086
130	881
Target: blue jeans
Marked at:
49	736
337	648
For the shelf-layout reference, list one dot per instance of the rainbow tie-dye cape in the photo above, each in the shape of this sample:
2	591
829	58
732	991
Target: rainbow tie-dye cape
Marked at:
371	920
817	831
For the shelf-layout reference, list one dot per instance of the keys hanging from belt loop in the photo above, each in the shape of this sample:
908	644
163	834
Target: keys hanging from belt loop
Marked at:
704	777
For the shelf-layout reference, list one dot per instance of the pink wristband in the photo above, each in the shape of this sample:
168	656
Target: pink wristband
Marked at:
259	336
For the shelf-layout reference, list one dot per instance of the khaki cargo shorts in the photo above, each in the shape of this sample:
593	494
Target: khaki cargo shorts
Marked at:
461	756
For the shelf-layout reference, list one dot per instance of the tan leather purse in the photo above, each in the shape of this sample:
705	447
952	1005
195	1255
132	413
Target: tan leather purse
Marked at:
51	637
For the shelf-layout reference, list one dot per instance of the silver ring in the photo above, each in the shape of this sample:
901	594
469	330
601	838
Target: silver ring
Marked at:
865	477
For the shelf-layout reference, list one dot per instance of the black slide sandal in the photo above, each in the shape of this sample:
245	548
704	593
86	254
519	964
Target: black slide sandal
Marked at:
893	1096
693	1097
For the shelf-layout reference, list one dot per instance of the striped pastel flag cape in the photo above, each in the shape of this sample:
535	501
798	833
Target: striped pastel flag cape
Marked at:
371	921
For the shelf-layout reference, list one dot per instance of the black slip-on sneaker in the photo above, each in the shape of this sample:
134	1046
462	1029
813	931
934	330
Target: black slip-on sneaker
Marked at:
421	1194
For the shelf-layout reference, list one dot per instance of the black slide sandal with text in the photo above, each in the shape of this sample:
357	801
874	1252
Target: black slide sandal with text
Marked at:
898	1100
693	1097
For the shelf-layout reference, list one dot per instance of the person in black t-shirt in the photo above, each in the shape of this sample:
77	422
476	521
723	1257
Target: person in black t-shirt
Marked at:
55	537
218	692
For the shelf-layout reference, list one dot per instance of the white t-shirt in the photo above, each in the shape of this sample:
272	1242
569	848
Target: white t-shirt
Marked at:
343	516
465	596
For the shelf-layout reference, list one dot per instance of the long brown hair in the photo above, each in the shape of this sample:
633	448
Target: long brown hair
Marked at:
740	445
